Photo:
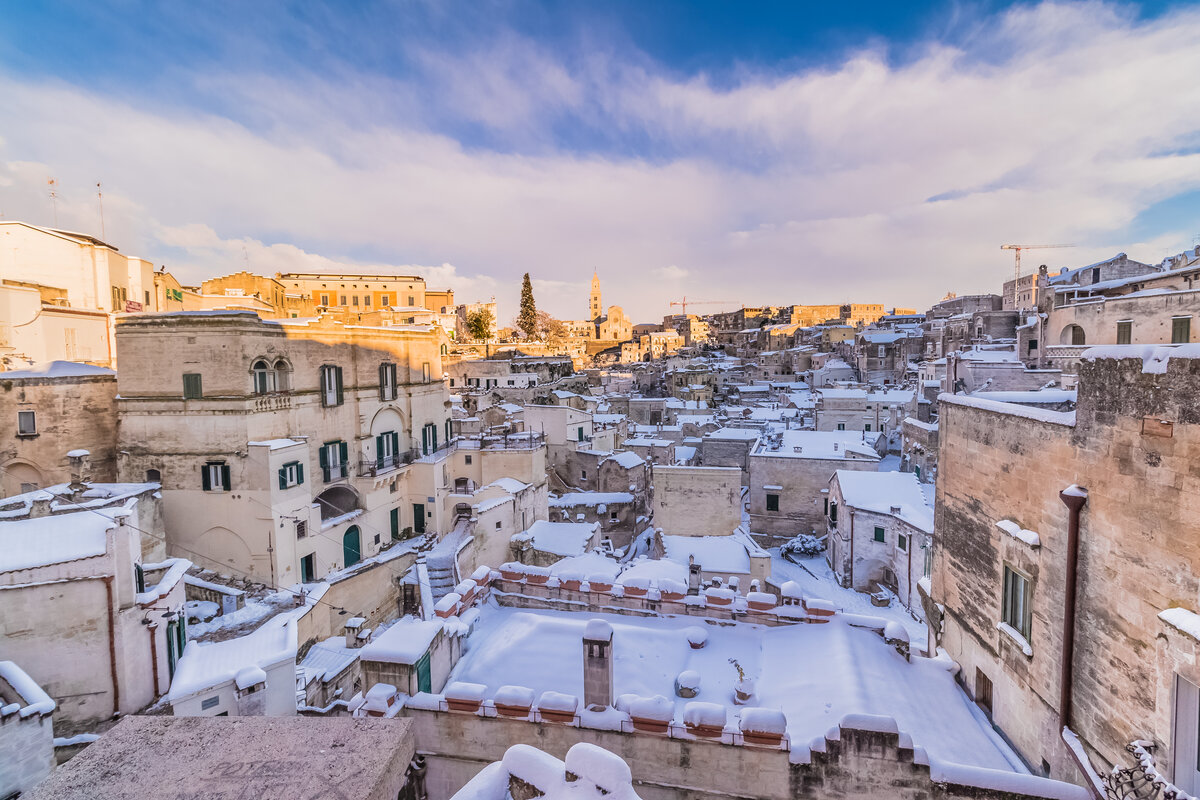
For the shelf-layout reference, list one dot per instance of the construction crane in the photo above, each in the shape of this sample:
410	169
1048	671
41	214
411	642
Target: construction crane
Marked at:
1017	248
684	303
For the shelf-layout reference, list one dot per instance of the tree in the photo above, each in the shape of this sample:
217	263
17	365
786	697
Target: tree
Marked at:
479	324
549	328
527	320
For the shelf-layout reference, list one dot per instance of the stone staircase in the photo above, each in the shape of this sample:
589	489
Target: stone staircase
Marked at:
441	560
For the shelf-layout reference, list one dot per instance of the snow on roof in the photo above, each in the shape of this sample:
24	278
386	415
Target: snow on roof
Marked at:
653	571
404	642
626	459
61	497
1012	409
590	499
990	354
880	492
204	667
510	485
561	538
851	669
57	369
713	553
586	566
684	454
745	434
31	698
822	444
277	444
40	541
1154	357
1038	397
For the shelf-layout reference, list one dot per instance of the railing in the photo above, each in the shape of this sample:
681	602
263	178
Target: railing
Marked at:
386	464
530	440
335	472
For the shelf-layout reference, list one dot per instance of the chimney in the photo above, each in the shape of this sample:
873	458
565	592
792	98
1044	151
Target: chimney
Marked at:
81	469
896	510
597	665
351	630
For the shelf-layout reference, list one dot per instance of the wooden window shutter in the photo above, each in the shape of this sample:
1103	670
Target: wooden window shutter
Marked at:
323	456
225	482
205	482
379	451
283	477
337	374
344	452
299	472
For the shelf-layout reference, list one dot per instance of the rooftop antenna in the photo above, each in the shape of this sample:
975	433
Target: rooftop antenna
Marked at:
53	184
100	198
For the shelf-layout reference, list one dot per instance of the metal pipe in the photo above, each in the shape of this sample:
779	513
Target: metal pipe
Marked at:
112	643
1073	498
851	512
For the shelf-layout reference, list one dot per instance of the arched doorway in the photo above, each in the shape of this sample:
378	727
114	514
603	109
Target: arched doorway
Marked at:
20	477
1072	334
336	501
351	546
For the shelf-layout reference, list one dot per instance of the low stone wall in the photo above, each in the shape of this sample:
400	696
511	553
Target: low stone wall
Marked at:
847	762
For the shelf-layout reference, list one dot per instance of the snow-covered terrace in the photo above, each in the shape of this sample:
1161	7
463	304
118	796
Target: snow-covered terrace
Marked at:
815	674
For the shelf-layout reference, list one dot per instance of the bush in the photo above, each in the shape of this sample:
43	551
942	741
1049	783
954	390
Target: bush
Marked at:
803	546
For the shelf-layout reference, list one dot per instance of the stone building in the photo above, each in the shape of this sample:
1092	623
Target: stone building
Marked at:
286	449
61	292
880	529
50	410
1067	562
790	472
89	606
861	409
697	501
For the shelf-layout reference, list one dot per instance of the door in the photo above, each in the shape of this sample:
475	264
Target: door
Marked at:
1187	735
174	646
394	520
424	675
983	691
418	517
308	568
351	546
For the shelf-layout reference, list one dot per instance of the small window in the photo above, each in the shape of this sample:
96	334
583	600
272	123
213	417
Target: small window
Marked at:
291	474
467	459
385	300
367	303
1017	607
210	702
841	426
325	300
772	502
26	423
583	474
1124	332
334	460
425	372
880	534
1181	330
343	300
354	300
867	427
192	389
902	541
308	568
214	476
387	381
833	514
301	528
412	301
498	525
331	386
1032	345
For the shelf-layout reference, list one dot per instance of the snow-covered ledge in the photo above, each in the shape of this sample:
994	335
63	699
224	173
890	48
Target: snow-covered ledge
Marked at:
1017	532
1184	621
1016	636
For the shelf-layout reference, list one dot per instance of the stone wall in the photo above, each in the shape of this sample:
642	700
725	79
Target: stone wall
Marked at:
697	501
26	752
1135	446
805	485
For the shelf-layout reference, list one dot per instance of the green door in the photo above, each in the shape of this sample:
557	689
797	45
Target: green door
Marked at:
351	546
394	518
418	517
424	676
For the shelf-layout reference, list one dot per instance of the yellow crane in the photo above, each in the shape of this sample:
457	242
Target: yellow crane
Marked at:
1017	248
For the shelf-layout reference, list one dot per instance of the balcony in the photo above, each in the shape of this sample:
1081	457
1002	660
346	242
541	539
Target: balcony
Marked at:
386	464
277	401
529	440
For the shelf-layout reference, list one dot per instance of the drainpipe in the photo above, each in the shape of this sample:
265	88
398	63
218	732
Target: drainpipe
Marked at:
153	631
112	644
851	513
1073	498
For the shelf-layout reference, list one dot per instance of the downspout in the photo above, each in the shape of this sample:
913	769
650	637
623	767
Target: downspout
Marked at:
112	644
1073	497
153	631
851	513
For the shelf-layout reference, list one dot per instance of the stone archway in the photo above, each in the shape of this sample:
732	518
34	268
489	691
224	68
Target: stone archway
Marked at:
1073	335
20	477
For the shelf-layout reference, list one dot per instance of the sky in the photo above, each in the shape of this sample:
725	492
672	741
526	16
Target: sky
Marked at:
731	153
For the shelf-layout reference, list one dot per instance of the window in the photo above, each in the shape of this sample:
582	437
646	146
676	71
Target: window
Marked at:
192	389
325	300
343	300
882	351
367	300
387	381
1181	330
385	300
412	301
26	423
264	377
139	578
467	460
612	516
425	372
902	541
301	528
282	375
153	476
335	458
1016	610
841	426
1032	345
331	386
387	448
214	476
498	525
354	300
917	471
867	427
833	514
1124	332
772	502
291	474
583	474
880	534
580	433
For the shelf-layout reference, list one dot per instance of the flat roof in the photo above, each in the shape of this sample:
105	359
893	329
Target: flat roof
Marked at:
228	758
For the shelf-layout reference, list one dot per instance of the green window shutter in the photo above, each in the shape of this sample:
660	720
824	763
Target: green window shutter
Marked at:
382	381
433	435
299	472
226	484
323	456
425	440
379	451
337	374
283	477
395	520
396	445
344	452
204	481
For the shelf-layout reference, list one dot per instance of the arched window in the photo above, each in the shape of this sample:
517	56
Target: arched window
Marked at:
283	375
153	476
264	377
443	349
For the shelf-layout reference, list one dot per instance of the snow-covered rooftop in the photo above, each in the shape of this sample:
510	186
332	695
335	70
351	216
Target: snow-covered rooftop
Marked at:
561	538
822	444
57	369
880	492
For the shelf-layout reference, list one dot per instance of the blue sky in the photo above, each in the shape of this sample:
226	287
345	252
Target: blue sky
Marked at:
743	152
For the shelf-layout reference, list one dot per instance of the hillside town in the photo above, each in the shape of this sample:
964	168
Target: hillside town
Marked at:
838	550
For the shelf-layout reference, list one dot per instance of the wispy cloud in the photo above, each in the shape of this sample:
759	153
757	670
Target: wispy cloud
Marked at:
862	179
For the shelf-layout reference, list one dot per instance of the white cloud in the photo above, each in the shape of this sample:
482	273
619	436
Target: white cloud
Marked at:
1050	124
